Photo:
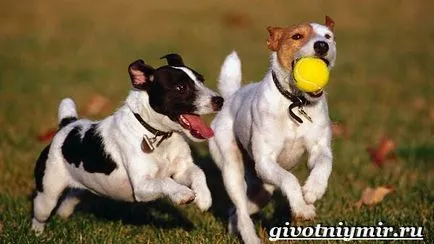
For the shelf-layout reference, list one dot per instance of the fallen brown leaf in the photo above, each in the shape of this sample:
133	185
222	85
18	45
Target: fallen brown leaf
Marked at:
419	103
431	114
47	135
97	105
339	130
355	181
384	150
372	196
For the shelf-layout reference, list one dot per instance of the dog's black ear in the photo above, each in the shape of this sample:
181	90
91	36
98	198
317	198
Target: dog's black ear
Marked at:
140	74
174	59
330	23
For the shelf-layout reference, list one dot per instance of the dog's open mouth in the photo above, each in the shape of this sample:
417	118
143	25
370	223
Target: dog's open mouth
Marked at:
196	125
315	94
325	61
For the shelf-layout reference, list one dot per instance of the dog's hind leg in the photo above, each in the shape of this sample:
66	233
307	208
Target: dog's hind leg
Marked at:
232	168
259	197
51	181
258	192
67	206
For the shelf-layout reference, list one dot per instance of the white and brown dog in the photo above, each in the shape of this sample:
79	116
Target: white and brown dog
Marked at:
264	128
137	154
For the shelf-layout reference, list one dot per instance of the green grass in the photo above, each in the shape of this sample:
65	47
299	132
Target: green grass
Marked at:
382	85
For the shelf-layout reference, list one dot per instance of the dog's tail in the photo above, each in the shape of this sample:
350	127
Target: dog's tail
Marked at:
230	75
67	112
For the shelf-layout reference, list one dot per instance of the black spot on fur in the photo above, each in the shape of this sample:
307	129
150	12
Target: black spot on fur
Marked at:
72	147
40	168
66	121
165	98
95	158
88	150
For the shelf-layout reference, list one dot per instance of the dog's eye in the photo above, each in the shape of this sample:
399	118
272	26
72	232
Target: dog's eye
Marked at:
297	36
180	87
327	36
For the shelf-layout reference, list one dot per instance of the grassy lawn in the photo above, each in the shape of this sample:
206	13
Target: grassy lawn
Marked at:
382	85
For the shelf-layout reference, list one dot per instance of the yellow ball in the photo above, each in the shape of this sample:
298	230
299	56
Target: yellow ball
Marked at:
311	74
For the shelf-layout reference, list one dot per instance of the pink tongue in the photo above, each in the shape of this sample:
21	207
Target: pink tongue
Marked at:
198	124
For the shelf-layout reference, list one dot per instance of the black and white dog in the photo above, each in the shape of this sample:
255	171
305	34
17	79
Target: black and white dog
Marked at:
138	153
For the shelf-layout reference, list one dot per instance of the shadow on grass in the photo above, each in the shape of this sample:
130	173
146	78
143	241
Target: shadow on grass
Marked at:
160	213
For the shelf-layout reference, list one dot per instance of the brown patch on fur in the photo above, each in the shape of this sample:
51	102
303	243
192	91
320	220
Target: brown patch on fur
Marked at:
273	39
330	23
281	40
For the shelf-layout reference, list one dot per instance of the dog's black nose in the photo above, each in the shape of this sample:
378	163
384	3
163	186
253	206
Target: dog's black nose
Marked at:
217	103
321	47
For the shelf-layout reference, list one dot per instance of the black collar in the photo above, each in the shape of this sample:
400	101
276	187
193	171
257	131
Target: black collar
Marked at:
157	133
297	101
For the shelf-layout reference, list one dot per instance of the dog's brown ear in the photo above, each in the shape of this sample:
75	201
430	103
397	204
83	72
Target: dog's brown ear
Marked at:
140	74
274	38
330	23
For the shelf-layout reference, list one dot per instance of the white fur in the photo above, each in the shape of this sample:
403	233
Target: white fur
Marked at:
230	75
67	109
168	171
256	116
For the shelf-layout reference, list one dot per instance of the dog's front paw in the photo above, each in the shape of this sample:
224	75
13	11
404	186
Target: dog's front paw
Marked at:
305	212
203	200
37	227
183	196
313	192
